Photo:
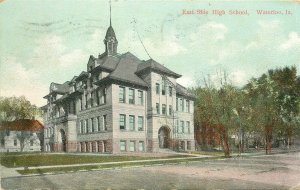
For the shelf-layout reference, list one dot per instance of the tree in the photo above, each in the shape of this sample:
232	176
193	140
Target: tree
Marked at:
17	113
263	101
215	108
274	103
288	90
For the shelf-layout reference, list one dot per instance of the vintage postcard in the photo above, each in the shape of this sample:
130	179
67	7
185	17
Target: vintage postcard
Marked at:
149	94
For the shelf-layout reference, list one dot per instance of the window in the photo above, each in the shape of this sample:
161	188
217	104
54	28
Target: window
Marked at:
81	104
81	127
95	125
182	126
132	146
2	142
157	87
122	94
180	104
140	123
122	145
122	122
140	97
157	108
98	123
163	87
141	146
131	96
182	107
86	101
182	145
15	142
92	99
91	82
100	76
188	106
131	123
188	127
105	122
170	90
176	104
86	126
170	110
92	125
177	126
98	97
104	96
31	142
163	109
188	144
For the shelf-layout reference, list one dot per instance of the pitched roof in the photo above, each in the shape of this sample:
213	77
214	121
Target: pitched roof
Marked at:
110	33
124	70
22	125
155	66
73	79
184	92
58	88
82	75
108	62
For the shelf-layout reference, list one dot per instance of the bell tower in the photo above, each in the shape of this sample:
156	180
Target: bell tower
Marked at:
110	40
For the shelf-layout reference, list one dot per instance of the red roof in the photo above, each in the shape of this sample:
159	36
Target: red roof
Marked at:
22	125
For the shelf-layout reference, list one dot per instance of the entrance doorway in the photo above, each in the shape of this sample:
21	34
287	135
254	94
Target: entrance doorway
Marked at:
164	137
63	140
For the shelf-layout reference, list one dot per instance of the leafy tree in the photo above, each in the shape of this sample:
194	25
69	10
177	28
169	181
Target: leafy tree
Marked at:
268	106
263	101
215	108
288	89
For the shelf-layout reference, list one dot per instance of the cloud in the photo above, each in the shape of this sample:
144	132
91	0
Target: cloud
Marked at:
186	81
73	57
51	50
292	41
211	45
96	41
211	31
238	77
16	80
167	47
51	61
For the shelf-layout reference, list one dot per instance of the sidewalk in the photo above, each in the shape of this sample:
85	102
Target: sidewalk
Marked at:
8	172
12	172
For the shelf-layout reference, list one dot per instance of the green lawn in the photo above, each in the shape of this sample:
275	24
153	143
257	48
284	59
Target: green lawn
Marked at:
29	160
93	167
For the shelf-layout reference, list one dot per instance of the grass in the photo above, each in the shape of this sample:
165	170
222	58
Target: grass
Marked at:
209	153
31	160
106	166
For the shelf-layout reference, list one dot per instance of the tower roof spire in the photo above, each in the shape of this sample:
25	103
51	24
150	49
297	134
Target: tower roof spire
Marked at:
109	12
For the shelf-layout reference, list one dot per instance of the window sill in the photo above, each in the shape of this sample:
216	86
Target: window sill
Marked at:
124	130
131	104
93	132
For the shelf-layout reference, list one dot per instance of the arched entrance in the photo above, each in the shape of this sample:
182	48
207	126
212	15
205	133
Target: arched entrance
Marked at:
164	137
63	140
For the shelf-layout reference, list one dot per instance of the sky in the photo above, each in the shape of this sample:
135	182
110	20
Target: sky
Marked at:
51	40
